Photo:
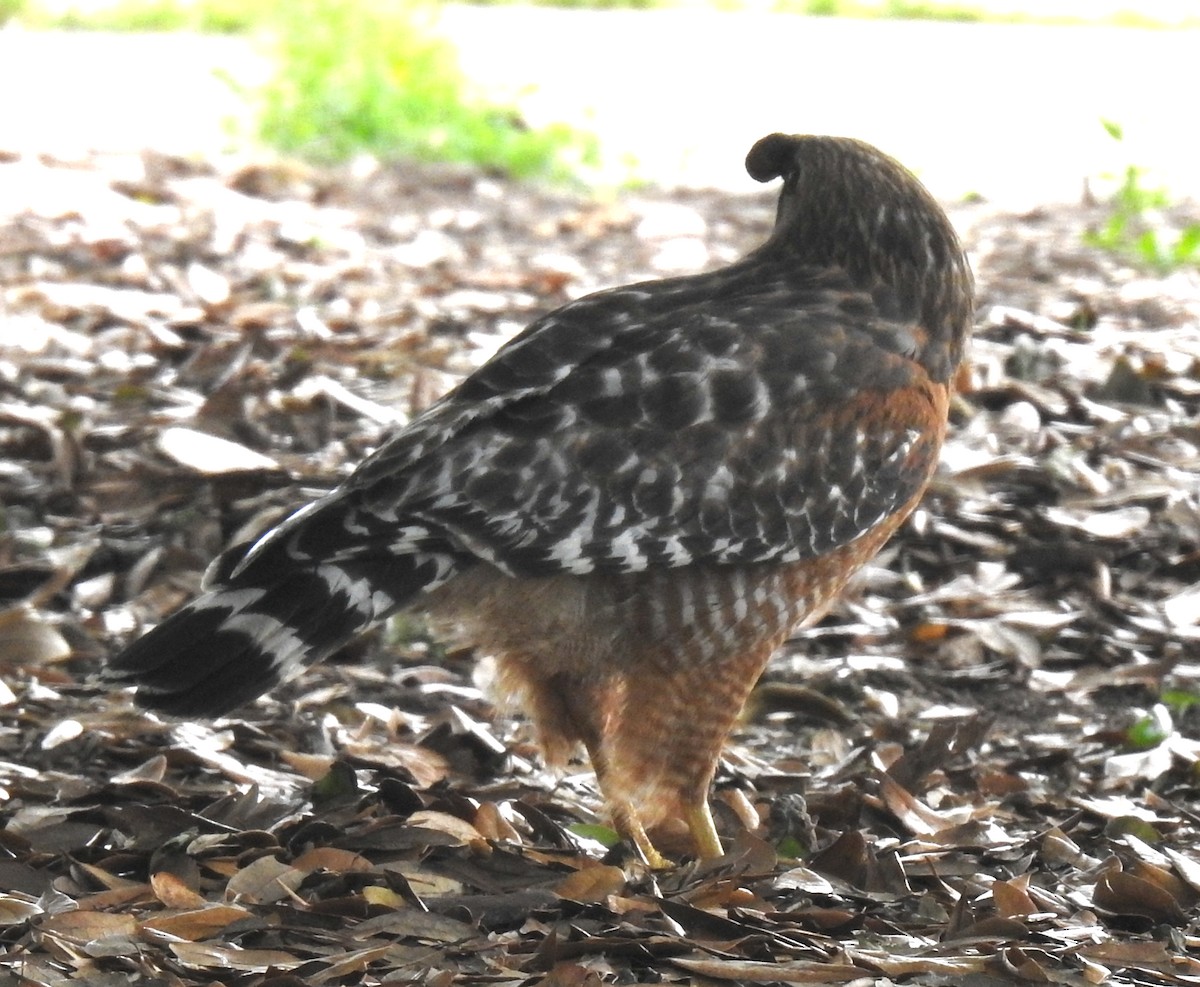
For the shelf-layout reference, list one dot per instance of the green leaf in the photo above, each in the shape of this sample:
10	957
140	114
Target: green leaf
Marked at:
1180	700
1187	247
1148	248
604	835
1143	830
1146	733
339	783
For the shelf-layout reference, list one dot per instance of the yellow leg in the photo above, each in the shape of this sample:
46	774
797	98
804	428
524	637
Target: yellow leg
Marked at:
626	820
704	832
699	822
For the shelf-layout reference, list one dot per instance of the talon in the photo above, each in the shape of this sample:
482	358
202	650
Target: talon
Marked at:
628	824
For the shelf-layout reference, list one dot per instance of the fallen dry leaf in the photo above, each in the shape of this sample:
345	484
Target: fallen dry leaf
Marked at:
211	454
592	884
979	768
198	923
173	892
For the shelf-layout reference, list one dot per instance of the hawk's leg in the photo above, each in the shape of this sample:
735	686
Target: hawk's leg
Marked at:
654	739
569	709
664	752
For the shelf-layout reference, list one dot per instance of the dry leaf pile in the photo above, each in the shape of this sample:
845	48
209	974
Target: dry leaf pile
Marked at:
984	767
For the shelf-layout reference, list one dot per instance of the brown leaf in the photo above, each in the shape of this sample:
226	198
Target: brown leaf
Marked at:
442	822
850	859
1023	964
411	923
173	892
803	879
264	881
492	825
196	924
1124	894
592	884
27	639
15	911
118	897
748	971
331	859
992	927
84	926
1186	865
373	894
314	767
215	956
914	814
1148	954
570	975
1164	879
931	966
347	964
1012	899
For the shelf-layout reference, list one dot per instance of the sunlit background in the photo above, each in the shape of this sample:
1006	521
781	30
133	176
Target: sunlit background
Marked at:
1000	98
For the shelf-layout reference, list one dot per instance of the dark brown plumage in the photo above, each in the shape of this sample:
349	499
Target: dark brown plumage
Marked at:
638	498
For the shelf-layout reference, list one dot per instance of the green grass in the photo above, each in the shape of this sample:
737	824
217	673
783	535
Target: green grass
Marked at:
1135	229
936	10
902	10
351	78
228	16
11	10
206	16
373	76
890	10
586	4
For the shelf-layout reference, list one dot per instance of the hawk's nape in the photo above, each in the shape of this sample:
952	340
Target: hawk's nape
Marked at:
638	498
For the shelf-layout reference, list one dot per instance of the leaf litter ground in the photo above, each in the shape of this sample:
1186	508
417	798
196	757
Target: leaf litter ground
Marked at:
981	768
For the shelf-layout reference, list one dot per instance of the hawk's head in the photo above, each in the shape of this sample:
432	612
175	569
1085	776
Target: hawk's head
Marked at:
846	204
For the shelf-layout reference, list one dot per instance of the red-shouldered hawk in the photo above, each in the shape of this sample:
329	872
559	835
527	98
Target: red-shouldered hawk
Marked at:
638	498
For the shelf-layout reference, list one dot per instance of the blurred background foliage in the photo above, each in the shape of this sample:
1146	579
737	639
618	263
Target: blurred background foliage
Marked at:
378	77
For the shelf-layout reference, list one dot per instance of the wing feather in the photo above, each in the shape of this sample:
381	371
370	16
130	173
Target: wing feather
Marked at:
661	424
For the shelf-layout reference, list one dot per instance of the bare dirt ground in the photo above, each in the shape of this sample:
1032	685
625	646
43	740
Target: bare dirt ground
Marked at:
981	768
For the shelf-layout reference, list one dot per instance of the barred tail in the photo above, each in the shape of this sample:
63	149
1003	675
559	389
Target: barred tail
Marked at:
240	639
